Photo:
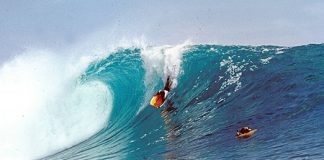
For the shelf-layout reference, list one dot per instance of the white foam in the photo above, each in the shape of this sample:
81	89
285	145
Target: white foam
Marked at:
234	72
266	60
281	50
44	109
172	61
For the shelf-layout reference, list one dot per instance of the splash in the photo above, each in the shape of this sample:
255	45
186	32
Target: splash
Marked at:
44	108
159	63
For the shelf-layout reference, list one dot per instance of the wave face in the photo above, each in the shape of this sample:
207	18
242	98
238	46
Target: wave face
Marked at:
218	89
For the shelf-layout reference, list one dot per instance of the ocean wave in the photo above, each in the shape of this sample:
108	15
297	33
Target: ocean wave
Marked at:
217	90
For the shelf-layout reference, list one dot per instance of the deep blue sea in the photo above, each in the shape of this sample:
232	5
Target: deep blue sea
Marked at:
217	90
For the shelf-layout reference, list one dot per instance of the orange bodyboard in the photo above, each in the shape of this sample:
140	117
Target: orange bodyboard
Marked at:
156	101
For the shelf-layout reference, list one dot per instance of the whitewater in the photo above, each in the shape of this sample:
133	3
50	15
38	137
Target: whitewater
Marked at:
96	105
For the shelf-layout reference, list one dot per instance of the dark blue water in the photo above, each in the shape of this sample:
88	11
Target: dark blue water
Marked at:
277	90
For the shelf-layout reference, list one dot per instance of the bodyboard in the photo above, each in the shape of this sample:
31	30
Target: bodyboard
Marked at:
246	135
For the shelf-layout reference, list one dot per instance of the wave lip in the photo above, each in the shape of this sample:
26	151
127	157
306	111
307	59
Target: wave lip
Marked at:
46	108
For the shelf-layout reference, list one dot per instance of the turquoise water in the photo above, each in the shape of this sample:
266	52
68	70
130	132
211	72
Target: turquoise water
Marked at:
277	90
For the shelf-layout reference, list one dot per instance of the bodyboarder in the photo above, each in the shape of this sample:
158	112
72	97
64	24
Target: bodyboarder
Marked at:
159	98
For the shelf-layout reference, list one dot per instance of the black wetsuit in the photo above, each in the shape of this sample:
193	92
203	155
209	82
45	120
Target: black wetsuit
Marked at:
168	84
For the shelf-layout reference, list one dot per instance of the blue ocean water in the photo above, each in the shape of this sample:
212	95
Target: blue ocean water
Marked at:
277	90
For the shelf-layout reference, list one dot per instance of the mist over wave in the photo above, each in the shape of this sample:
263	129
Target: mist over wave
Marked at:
98	108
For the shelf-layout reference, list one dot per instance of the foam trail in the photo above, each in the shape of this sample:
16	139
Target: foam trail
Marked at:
43	107
172	61
160	62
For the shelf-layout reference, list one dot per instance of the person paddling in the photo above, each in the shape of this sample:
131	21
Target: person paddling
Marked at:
243	131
